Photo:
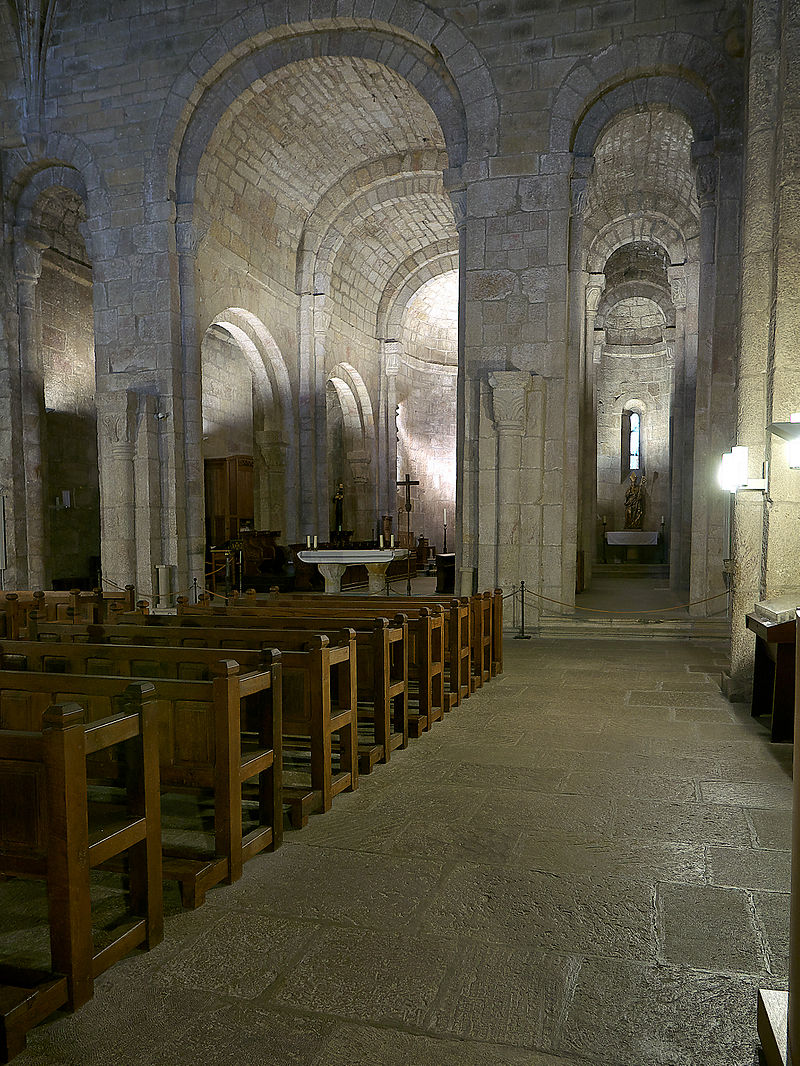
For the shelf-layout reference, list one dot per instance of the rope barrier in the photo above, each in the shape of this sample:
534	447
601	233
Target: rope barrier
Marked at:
654	610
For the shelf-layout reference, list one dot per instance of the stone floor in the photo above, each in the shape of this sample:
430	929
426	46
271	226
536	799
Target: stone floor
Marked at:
585	863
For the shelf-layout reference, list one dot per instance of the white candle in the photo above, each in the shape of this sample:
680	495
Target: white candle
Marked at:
662	520
445	516
308	542
391	541
381	539
315	541
604	519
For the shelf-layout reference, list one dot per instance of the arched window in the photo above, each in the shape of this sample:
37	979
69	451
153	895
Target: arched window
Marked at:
634	441
631	443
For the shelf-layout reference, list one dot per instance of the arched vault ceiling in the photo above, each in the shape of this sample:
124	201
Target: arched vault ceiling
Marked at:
643	159
386	237
310	123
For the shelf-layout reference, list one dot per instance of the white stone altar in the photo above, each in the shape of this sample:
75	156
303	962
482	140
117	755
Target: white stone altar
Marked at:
632	536
332	563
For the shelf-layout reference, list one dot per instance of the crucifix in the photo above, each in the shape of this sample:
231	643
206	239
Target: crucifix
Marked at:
406	483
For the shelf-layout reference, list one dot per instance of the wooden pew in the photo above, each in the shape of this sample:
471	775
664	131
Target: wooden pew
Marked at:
215	735
457	621
311	663
75	605
426	644
486	622
53	833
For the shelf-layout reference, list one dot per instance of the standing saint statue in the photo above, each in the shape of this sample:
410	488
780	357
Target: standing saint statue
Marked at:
635	501
338	508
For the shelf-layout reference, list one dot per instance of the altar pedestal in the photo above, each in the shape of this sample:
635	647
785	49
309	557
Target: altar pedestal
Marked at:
631	539
332	564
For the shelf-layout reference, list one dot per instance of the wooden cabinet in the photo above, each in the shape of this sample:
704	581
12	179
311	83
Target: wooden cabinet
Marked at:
229	497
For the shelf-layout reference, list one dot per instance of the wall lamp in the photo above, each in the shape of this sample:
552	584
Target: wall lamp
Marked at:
733	472
790	432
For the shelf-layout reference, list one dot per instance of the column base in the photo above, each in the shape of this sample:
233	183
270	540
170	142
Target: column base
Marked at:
773	1011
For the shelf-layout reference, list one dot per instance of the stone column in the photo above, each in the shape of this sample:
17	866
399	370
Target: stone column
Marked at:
757	289
679	528
466	536
594	291
190	229
360	464
391	365
707	182
581	386
271	504
117	414
28	270
509	401
312	419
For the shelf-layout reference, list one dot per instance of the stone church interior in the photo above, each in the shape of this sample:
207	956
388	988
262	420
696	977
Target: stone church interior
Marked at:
400	422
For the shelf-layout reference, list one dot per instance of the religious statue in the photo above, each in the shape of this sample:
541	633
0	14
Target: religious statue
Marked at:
635	501
338	508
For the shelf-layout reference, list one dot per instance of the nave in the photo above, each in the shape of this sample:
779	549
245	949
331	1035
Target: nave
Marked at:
584	863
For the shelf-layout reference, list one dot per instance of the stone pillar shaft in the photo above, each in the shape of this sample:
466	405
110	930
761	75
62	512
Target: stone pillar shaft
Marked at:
28	269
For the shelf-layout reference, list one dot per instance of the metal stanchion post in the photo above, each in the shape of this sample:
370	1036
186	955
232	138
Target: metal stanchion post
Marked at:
522	634
194	585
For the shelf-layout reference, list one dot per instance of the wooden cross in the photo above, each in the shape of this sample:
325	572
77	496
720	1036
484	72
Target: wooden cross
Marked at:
407	483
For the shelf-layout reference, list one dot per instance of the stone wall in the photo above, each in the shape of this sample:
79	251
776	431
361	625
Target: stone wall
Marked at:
227	399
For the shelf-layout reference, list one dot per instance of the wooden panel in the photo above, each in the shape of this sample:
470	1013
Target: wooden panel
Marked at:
22	801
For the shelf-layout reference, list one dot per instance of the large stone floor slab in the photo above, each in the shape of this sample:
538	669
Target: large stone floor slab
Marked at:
585	864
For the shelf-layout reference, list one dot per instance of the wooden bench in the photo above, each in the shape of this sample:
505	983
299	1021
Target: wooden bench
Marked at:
311	663
213	735
50	831
486	622
76	605
382	672
457	613
425	627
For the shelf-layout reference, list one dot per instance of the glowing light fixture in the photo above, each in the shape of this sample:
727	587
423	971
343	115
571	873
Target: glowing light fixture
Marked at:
790	432
733	472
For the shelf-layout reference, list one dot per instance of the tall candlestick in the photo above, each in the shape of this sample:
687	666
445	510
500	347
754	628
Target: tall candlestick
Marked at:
445	517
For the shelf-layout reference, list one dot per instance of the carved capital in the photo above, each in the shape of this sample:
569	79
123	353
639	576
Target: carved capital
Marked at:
272	447
509	397
27	261
116	420
678	289
594	291
706	174
392	351
191	227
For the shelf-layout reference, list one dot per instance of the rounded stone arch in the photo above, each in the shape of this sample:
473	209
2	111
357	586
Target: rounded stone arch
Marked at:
428	50
653	229
643	93
370	201
348	374
272	388
684	67
644	289
50	177
351	446
438	258
343	199
63	153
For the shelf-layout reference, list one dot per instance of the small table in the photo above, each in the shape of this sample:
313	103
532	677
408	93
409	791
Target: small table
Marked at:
332	563
631	538
773	674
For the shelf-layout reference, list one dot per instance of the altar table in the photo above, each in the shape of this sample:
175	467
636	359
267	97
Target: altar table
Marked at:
332	563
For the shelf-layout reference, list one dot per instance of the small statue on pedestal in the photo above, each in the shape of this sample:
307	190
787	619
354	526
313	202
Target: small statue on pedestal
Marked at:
635	502
338	508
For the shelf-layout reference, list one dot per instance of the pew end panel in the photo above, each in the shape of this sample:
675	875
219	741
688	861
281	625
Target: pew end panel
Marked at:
58	833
